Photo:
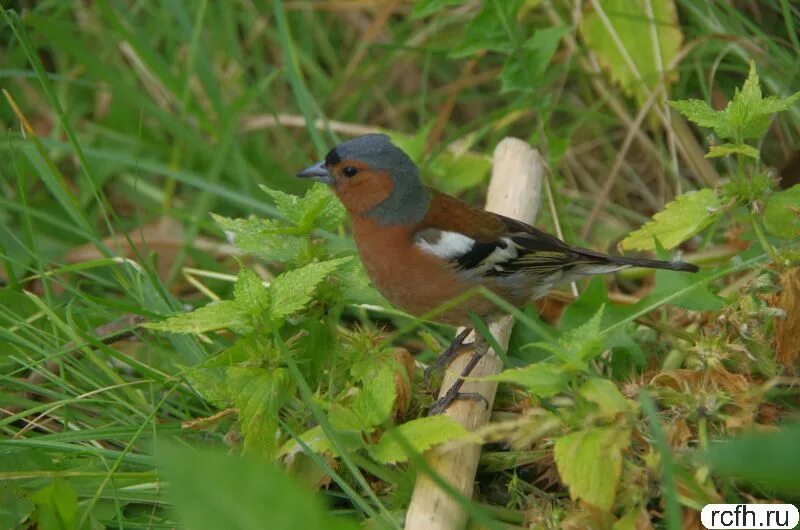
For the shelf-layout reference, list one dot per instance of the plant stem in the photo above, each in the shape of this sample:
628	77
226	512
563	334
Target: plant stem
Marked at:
762	237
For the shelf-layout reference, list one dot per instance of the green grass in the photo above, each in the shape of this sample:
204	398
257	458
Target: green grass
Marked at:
134	120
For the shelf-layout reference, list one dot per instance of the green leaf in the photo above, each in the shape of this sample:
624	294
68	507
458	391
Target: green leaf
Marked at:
590	462
605	394
248	494
259	394
420	434
318	208
747	116
717	151
216	315
633	28
292	290
56	506
524	69
494	29
698	298
682	218
585	342
782	214
541	379
371	406
701	113
251	299
769	459
250	292
264	238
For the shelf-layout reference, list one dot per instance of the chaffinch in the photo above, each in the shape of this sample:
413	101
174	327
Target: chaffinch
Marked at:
422	248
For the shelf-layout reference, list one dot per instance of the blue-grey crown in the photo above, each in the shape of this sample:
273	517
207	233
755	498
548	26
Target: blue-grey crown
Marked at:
409	199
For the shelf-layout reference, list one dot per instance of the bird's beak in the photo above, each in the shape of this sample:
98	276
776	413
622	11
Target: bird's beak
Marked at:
317	172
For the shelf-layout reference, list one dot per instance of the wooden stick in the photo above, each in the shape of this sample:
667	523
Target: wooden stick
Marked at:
514	191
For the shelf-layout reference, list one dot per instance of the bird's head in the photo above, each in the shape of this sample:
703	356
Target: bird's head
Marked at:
373	178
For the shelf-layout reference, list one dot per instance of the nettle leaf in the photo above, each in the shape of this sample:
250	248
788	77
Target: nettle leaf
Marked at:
585	342
492	29
633	27
782	214
318	208
250	292
717	151
259	393
420	434
318	442
682	218
371	406
222	314
263	238
747	116
541	379
703	115
525	68
605	394
251	299
292	290
590	463
695	294
749	113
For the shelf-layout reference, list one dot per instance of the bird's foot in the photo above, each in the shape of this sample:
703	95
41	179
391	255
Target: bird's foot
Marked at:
444	402
451	352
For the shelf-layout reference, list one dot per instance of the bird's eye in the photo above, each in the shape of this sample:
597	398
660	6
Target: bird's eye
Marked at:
349	171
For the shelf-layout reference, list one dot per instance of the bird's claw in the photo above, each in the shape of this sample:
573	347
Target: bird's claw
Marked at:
444	402
447	356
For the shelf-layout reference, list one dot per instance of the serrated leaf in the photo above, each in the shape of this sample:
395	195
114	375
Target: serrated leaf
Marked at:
421	434
717	151
222	314
700	113
524	69
318	208
747	116
490	29
541	379
264	238
292	290
250	293
633	28
585	342
590	462
782	214
371	406
605	394
682	218
259	394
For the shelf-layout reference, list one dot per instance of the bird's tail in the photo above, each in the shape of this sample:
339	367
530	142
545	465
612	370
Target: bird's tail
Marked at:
603	263
654	264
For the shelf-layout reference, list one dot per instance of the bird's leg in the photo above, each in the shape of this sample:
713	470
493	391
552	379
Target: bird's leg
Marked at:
454	392
446	357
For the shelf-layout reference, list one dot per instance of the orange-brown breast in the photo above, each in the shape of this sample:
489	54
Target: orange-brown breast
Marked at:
408	277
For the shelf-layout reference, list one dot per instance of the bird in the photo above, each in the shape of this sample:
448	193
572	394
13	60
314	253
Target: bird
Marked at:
422	248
